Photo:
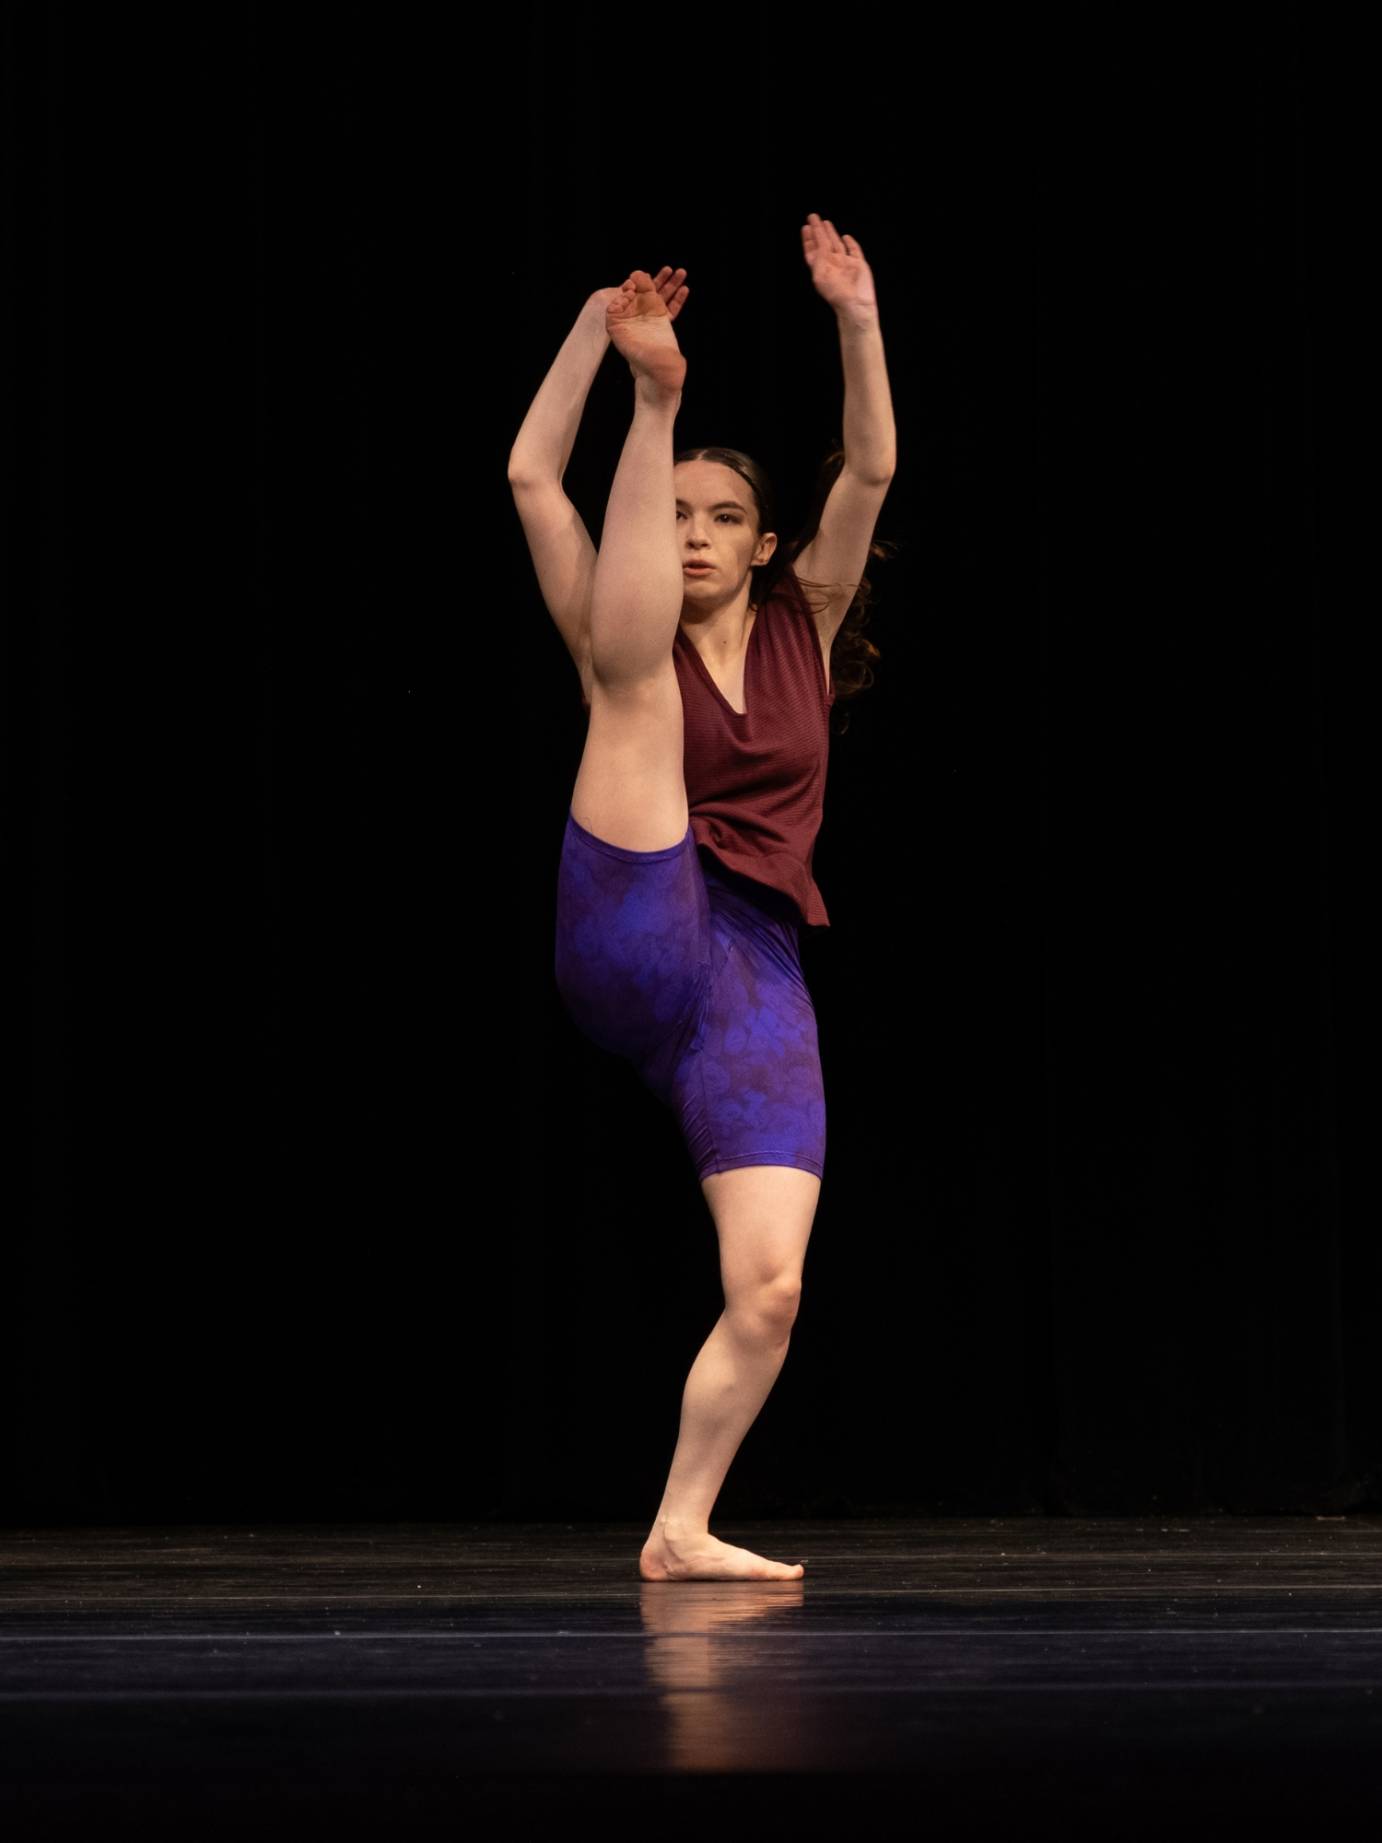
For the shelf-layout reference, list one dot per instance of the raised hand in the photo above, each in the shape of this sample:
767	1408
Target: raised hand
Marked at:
837	266
671	285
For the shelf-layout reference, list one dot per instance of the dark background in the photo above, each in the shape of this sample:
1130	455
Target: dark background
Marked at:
327	1210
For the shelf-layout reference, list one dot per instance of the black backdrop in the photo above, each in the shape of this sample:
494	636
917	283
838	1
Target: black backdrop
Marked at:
330	1210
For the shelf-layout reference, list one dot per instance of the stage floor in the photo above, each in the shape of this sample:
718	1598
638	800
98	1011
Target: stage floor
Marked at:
976	1674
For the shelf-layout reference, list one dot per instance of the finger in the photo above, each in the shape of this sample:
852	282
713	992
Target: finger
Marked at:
832	235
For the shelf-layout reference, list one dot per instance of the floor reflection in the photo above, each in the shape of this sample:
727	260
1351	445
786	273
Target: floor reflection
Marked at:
714	1647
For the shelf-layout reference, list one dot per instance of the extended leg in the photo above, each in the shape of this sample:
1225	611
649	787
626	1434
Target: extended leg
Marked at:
630	789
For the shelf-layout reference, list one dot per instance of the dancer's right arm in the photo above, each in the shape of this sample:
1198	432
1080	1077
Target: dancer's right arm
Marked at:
562	552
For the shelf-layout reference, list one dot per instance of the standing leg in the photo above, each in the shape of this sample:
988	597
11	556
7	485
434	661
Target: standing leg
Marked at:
763	1216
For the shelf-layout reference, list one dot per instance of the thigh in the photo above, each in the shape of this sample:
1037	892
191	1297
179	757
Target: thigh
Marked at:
750	1090
763	1216
631	784
633	948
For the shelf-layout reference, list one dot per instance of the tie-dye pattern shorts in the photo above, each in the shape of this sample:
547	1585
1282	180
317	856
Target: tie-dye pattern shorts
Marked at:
693	974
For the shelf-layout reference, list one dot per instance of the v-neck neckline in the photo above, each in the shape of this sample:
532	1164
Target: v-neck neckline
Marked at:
709	676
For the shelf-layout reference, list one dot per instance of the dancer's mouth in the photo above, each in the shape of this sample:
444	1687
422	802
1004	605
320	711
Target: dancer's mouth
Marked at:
698	569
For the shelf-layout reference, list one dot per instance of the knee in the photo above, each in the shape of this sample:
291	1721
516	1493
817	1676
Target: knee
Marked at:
766	1312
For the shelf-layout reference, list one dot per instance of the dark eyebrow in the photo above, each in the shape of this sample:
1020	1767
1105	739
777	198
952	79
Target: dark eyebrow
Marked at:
720	507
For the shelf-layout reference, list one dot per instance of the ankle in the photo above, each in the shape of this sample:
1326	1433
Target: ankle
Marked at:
680	1530
650	396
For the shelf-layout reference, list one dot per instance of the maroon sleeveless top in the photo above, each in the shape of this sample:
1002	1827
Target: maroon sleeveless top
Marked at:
755	783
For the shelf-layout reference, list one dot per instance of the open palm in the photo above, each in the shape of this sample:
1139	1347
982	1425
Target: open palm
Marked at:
837	265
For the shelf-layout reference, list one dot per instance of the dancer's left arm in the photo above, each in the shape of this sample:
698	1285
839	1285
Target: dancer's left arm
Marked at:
838	554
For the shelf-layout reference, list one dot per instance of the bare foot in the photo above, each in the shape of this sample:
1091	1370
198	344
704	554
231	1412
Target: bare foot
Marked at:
706	1558
669	282
640	327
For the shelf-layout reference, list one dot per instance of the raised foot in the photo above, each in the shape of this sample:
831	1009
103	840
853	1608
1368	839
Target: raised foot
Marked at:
640	327
706	1558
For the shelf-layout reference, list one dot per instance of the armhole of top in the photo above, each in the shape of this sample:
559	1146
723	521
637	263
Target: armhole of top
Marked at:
798	596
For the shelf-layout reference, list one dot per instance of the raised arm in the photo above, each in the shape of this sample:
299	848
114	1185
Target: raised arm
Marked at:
558	541
838	554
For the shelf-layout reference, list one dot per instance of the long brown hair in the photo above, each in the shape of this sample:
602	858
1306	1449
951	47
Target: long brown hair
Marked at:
853	652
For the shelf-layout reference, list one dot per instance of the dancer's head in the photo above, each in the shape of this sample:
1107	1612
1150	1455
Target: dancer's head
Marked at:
746	541
725	517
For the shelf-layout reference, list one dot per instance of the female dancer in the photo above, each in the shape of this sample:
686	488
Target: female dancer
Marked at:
685	871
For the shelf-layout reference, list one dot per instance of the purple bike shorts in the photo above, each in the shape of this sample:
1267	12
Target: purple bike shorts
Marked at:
693	974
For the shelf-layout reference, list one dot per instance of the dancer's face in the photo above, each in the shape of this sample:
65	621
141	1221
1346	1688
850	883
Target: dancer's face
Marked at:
717	523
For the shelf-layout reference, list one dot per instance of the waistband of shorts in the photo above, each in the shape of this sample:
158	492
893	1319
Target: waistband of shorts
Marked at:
621	851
